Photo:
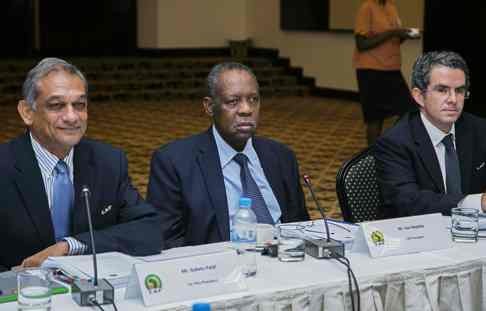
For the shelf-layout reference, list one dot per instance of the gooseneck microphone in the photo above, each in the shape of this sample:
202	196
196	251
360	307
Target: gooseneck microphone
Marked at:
91	292
86	194
307	182
326	248
330	248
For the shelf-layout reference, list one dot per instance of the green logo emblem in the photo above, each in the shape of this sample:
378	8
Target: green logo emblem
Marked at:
153	284
378	237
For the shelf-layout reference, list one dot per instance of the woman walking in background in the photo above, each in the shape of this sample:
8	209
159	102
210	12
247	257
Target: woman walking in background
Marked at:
377	60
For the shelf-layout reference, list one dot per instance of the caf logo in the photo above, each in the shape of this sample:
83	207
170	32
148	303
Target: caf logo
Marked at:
378	237
153	284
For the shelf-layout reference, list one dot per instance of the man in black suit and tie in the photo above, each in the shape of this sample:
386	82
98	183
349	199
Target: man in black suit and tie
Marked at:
196	182
434	159
42	212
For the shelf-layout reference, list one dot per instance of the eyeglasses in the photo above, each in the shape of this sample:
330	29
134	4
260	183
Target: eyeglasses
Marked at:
445	91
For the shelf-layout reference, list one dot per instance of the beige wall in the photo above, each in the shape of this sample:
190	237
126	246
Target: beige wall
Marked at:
192	23
326	56
210	23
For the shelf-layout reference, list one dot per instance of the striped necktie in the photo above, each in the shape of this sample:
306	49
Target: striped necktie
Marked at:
250	190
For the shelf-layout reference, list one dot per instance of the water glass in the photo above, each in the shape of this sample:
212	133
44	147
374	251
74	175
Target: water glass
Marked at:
464	224
33	288
265	235
290	247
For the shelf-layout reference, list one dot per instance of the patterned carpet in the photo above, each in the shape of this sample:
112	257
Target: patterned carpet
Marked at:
322	132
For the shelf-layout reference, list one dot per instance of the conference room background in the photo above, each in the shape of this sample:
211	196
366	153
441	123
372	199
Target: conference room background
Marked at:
314	34
159	29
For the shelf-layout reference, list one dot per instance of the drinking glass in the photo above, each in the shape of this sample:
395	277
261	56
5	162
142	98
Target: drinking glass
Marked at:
290	247
464	224
33	289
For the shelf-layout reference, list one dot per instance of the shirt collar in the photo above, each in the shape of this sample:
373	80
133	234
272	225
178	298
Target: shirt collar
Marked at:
227	153
47	161
435	134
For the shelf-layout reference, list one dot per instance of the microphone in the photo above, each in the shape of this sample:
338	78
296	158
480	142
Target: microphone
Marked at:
307	182
326	248
85	194
91	292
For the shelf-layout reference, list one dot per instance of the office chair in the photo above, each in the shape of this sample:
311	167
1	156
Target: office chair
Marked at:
358	190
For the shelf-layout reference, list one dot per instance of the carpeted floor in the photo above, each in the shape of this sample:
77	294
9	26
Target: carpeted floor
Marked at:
322	132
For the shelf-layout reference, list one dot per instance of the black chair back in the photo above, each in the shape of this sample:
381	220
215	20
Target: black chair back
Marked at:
358	190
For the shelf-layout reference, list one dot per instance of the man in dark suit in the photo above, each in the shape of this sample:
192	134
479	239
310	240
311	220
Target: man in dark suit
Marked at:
434	159
43	171
196	183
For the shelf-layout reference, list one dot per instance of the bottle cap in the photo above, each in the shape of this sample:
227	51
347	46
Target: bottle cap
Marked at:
202	306
245	202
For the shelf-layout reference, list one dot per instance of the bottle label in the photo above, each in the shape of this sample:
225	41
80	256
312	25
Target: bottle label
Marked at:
244	234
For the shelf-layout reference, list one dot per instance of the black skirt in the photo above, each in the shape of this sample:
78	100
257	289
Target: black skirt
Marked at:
383	94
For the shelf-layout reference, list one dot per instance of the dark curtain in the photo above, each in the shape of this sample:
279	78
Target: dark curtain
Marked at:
457	26
304	15
16	28
88	27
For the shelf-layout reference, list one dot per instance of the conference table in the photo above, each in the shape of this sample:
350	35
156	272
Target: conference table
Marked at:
447	279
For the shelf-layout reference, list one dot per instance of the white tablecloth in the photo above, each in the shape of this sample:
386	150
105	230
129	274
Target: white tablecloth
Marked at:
450	279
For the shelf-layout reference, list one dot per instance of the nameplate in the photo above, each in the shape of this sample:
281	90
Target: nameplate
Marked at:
404	235
186	278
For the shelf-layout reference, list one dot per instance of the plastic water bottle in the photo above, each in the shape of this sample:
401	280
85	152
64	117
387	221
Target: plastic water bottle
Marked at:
201	306
243	236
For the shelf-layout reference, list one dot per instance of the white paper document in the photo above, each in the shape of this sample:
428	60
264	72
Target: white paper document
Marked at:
113	266
315	229
189	251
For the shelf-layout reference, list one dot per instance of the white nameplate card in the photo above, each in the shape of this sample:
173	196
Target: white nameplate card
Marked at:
404	235
186	278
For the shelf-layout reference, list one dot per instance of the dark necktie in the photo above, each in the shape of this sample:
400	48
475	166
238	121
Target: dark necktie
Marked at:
250	190
62	200
453	173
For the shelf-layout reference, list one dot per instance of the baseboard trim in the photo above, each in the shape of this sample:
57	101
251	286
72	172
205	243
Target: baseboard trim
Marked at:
335	93
184	52
263	52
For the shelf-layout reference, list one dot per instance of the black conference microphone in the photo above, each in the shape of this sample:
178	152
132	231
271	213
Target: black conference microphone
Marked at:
325	248
91	292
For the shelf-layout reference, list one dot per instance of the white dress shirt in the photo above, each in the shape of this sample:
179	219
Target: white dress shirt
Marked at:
232	181
47	162
436	135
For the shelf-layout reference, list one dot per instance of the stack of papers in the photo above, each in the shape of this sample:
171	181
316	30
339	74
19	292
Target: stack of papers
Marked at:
113	266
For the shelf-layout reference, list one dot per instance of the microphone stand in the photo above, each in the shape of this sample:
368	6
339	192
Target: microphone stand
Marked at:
326	248
331	249
92	292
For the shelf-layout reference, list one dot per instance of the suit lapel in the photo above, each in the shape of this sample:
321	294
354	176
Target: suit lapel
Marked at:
426	151
273	173
84	169
208	161
30	184
464	147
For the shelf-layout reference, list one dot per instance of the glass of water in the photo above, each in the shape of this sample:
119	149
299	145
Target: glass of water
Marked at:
464	224
290	246
33	288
